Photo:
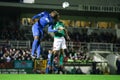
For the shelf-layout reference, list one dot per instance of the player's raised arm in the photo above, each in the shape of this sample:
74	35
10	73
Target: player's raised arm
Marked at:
39	15
66	33
50	29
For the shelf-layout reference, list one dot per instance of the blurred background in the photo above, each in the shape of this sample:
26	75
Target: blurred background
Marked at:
93	26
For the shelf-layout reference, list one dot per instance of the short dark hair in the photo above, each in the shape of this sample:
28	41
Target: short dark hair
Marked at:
56	14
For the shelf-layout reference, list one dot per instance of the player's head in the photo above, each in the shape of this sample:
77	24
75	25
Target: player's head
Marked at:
54	14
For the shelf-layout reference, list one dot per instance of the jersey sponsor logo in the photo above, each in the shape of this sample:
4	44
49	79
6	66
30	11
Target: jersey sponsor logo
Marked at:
47	19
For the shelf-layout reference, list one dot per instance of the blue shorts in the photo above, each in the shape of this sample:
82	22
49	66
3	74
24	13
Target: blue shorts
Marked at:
37	31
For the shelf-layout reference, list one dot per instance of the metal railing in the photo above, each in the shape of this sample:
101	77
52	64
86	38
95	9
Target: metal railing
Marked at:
92	46
16	44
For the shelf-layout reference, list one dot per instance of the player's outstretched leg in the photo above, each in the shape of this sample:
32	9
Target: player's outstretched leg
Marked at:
38	51
52	63
34	47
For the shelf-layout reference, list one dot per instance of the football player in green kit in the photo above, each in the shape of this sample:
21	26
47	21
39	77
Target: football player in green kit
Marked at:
59	44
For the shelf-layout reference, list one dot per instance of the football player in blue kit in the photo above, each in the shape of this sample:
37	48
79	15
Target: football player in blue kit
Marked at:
44	19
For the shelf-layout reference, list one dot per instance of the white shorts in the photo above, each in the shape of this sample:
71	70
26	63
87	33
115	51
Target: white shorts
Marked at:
59	43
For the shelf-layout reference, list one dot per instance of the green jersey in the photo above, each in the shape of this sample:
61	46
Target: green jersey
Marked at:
60	33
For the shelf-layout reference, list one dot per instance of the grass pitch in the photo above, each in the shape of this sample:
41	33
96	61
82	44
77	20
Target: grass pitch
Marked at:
57	77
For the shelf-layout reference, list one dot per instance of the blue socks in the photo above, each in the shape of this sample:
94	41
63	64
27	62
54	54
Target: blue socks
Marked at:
38	51
36	46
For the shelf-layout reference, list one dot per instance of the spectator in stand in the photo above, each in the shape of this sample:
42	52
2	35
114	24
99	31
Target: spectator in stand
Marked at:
73	71
1	52
10	54
79	71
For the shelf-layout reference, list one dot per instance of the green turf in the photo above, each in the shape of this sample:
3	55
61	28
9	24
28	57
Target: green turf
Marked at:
57	77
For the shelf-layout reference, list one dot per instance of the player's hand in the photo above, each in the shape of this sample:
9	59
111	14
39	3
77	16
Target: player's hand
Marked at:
61	28
32	21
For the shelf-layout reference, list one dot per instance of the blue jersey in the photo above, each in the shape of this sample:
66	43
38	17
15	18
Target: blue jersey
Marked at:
44	20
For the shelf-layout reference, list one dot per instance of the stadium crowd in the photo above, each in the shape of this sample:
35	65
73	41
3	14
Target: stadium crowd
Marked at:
8	55
77	55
